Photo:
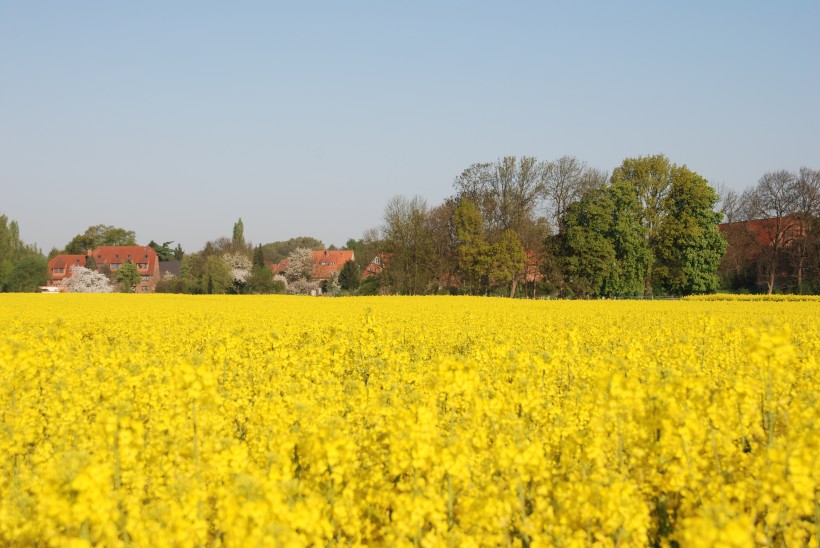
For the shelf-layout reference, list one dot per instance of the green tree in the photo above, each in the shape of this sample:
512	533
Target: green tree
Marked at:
164	251
680	229
689	247
259	257
472	249
217	277
349	276
128	276
276	251
606	252
98	235
261	282
27	274
91	262
12	251
508	259
178	253
649	178
589	253
238	239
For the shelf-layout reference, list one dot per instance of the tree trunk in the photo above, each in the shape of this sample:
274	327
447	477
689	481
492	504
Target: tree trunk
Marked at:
513	287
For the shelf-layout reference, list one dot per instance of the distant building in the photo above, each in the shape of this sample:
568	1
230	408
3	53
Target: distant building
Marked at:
111	258
325	263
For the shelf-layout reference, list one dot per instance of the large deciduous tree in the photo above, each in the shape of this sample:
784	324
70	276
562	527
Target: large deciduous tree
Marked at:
27	274
19	262
689	247
679	226
775	200
472	248
408	239
98	235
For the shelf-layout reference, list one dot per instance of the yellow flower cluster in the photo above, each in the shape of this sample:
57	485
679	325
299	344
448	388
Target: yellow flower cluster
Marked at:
758	297
275	420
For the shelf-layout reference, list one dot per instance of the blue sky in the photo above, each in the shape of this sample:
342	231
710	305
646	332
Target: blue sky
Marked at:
174	119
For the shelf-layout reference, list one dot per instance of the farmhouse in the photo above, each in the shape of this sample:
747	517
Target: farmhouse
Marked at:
110	258
325	263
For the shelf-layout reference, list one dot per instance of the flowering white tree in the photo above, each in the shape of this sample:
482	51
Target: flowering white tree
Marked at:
240	266
332	286
304	287
83	280
300	264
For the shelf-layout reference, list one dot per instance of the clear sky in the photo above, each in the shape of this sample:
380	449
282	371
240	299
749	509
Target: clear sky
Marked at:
176	118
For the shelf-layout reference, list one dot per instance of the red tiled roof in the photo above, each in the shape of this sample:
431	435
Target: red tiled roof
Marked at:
325	263
375	267
119	254
60	266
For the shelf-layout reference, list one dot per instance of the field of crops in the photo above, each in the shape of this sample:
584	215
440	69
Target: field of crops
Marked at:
130	419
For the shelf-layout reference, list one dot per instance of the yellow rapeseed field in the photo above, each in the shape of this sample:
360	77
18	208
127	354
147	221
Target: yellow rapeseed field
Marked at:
434	421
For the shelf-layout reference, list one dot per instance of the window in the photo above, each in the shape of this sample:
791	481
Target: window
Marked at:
142	266
377	260
146	278
145	288
59	270
115	266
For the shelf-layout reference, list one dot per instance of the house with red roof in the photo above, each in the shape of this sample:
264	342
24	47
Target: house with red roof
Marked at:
111	258
325	263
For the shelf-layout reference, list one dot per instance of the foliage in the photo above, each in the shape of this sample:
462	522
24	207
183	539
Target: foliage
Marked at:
474	260
127	276
689	246
27	274
178	253
349	276
99	235
217	276
238	238
14	251
259	257
409	239
275	252
508	258
83	280
164	251
262	281
393	421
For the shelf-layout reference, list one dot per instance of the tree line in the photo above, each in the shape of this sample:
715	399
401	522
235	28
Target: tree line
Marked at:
518	227
523	227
